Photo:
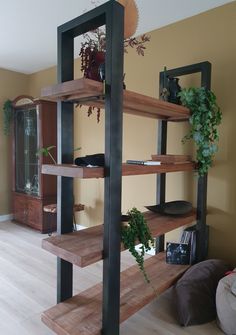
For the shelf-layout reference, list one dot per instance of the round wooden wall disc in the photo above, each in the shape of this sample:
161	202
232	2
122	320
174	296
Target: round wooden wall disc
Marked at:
131	17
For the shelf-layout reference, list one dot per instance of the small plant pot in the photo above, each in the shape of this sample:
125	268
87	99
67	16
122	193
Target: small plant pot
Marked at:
95	60
125	221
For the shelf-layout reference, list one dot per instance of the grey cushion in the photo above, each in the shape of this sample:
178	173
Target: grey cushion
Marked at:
226	304
195	292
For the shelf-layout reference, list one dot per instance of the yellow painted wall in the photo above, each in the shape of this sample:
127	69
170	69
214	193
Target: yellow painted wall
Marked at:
12	84
209	36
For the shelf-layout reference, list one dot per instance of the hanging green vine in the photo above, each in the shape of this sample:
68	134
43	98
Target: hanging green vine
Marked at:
7	116
137	230
204	119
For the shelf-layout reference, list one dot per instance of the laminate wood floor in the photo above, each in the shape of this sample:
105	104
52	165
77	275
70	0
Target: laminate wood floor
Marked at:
28	287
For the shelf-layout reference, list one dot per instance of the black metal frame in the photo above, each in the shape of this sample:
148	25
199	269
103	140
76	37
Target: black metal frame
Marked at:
202	236
110	14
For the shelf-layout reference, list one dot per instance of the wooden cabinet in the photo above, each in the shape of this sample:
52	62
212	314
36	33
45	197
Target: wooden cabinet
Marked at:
34	127
19	208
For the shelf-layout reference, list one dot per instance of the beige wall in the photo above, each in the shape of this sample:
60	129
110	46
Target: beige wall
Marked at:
12	84
208	36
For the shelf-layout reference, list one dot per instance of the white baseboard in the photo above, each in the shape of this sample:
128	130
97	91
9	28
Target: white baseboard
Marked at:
80	227
7	217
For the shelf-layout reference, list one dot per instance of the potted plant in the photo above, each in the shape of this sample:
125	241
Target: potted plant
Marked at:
92	55
135	230
45	151
93	50
204	119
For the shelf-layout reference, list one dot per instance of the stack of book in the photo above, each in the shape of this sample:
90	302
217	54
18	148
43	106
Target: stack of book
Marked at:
171	159
162	159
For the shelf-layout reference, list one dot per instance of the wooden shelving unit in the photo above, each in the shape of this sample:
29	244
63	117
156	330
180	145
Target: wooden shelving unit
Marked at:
82	314
85	247
89	92
75	171
104	306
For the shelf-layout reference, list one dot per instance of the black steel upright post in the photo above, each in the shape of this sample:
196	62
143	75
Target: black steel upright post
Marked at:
112	15
161	178
202	236
202	230
65	156
113	168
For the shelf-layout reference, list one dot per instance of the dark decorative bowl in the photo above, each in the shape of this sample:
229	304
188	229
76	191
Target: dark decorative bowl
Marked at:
174	208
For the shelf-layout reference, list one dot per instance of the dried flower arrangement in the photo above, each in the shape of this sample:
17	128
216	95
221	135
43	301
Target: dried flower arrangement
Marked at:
93	46
92	54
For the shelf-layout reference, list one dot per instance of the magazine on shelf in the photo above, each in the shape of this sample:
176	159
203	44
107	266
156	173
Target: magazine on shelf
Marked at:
185	251
138	162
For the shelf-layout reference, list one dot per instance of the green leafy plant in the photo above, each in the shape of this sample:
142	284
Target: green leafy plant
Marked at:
46	152
7	116
137	230
204	119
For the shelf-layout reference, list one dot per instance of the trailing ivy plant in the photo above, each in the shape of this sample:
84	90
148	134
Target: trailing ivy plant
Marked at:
204	119
137	230
7	116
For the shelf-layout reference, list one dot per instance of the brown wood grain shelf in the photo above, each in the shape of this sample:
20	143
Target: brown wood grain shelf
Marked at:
74	171
82	314
84	247
89	92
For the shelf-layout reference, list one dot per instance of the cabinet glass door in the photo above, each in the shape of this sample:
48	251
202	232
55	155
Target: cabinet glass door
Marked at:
26	145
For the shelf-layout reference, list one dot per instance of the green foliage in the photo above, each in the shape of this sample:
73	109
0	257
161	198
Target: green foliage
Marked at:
7	116
137	230
46	152
204	119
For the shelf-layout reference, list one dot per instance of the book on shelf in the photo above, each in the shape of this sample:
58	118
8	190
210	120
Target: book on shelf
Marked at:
186	236
171	159
138	162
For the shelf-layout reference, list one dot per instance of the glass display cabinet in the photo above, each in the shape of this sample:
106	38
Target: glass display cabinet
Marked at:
26	146
34	127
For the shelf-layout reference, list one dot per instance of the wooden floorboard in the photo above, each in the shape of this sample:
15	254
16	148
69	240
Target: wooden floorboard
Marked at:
28	283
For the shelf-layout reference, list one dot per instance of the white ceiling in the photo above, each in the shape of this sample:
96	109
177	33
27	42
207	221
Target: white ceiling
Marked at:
28	28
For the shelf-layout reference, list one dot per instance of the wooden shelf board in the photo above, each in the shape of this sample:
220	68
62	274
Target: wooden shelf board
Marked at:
82	314
85	247
74	171
132	169
89	92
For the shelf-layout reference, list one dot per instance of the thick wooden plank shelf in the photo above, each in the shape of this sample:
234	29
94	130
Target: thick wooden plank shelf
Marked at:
85	247
74	171
81	315
89	92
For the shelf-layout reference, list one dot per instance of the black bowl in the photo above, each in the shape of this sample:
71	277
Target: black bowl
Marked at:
174	208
